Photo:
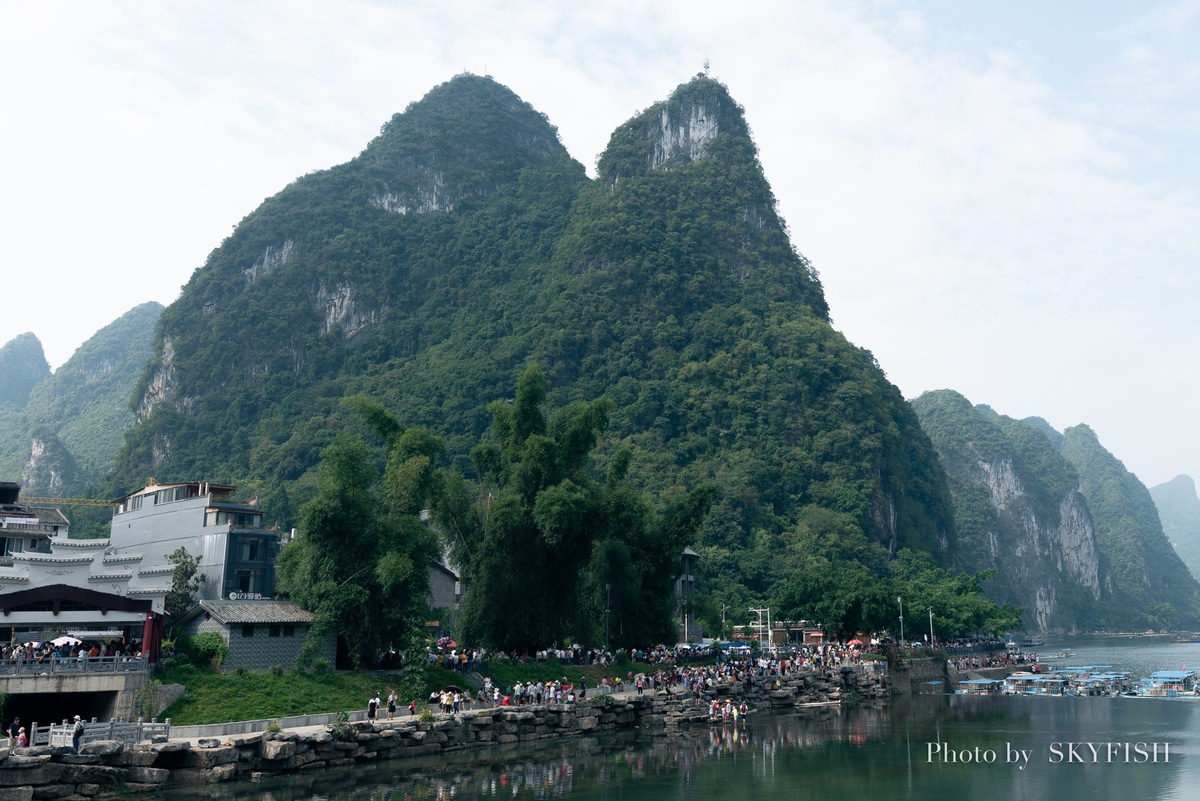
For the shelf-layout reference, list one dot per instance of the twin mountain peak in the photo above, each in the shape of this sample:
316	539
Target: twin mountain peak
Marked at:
464	243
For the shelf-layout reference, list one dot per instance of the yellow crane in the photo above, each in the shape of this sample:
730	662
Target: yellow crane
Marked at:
33	500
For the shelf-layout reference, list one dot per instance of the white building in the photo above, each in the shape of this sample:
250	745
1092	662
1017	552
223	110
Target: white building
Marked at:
51	584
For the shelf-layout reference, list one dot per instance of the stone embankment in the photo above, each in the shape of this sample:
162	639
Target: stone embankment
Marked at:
109	768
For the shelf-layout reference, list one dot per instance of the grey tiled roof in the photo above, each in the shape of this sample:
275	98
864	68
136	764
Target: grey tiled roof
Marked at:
235	612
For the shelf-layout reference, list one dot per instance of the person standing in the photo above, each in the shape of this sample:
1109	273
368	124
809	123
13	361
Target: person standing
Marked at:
76	734
391	705
373	707
13	730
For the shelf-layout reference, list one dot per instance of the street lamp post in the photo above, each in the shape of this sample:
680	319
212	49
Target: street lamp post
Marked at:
900	601
759	612
931	627
607	613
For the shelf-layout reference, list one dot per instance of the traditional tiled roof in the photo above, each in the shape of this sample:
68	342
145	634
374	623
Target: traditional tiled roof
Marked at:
40	515
239	612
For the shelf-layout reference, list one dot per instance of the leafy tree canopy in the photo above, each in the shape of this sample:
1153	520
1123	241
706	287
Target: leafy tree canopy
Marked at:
545	546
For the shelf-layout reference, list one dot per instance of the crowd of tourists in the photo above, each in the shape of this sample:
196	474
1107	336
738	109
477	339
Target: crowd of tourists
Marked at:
46	651
995	659
683	671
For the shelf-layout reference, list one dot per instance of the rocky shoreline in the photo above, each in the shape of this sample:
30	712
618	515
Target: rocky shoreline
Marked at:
110	768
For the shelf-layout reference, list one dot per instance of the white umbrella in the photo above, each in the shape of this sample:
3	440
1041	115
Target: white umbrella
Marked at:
66	640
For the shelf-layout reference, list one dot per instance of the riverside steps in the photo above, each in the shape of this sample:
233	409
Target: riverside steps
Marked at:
107	768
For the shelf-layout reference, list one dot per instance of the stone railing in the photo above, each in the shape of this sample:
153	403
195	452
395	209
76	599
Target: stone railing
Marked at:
64	665
128	732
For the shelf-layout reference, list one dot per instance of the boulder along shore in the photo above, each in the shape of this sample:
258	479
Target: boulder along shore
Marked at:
108	768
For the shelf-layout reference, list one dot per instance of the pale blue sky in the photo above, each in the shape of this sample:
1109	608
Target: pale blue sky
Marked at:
1000	198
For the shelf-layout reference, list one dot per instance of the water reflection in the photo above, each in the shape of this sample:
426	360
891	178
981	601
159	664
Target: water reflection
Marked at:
894	751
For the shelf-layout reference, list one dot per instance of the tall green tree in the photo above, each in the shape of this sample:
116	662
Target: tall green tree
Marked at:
360	561
184	584
540	538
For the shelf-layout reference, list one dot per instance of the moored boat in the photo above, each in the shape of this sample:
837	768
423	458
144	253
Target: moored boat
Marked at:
1169	684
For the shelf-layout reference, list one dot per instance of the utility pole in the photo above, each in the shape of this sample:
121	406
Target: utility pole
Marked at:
931	627
759	612
607	613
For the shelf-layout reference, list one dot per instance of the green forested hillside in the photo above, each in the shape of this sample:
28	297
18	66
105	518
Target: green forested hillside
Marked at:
76	418
463	244
23	365
1071	534
1179	510
1151	585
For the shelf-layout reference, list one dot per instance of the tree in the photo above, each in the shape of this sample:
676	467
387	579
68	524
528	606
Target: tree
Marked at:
360	560
543	542
185	583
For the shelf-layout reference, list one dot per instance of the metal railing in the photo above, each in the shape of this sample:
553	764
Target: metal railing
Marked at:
67	665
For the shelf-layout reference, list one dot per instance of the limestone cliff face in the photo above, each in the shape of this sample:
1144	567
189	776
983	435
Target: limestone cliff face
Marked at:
161	383
1019	511
50	468
1037	552
675	133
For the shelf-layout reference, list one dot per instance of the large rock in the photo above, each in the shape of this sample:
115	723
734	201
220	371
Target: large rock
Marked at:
18	770
147	775
210	757
92	774
275	749
221	773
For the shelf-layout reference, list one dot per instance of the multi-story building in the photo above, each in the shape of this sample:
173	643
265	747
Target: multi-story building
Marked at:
237	555
24	528
53	585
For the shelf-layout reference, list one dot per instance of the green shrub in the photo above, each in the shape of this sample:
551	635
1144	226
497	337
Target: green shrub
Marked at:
426	714
275	670
341	729
274	726
208	648
320	666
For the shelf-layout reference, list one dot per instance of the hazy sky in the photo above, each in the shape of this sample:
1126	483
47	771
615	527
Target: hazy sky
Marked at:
1000	198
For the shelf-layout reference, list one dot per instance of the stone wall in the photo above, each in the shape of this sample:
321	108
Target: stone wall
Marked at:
908	676
261	651
108	768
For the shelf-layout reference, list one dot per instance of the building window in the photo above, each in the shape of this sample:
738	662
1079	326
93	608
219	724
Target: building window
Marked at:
289	631
250	551
214	517
248	630
249	580
273	631
135	502
170	494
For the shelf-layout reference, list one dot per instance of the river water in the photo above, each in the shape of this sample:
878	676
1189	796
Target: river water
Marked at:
940	747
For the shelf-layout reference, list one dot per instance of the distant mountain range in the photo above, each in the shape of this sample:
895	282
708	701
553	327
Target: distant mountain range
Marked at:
1179	510
1074	537
464	243
61	432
